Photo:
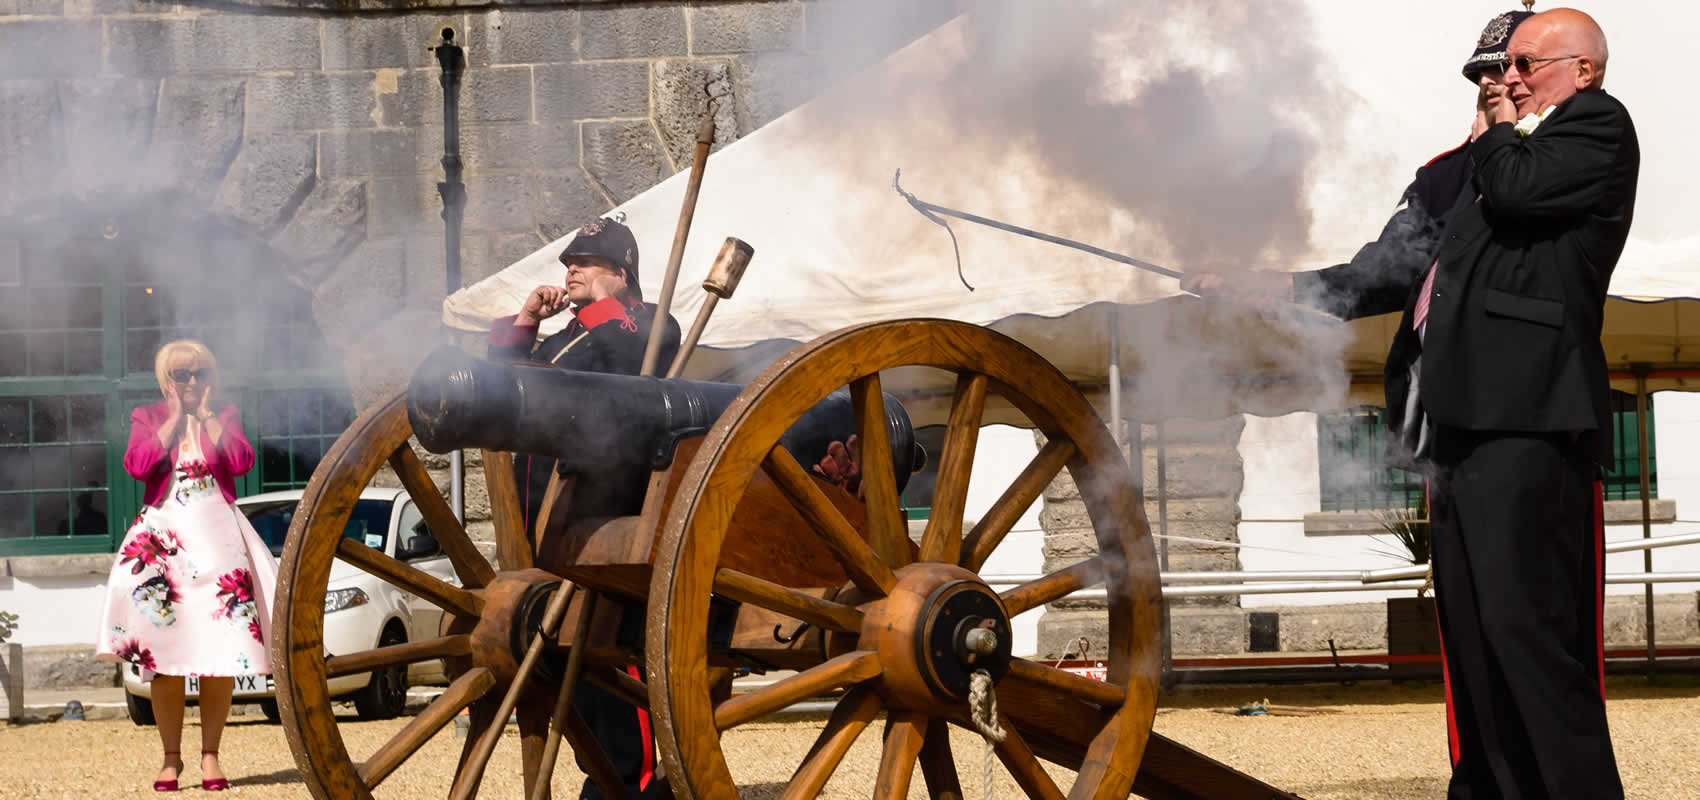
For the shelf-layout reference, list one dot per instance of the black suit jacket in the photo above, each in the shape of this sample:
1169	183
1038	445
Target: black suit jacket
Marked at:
1524	262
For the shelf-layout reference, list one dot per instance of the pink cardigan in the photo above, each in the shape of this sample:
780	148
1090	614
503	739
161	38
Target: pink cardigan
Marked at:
148	462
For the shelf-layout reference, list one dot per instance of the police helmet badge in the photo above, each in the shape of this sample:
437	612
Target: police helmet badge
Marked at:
1491	45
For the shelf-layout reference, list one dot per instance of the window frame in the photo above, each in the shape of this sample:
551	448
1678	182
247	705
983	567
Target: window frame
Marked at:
124	391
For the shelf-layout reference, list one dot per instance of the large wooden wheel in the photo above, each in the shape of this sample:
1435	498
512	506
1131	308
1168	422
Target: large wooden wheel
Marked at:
485	629
899	636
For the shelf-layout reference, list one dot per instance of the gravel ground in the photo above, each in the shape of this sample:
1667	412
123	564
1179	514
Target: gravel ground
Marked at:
1369	741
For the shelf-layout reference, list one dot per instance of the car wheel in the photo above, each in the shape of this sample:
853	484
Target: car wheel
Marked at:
140	708
269	708
386	694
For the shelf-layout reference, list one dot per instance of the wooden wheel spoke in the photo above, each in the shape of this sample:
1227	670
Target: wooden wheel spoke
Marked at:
1024	767
513	544
1015	501
469	564
938	766
841	671
852	715
1050	681
888	534
905	734
863	564
472	769
822	613
397	655
618	683
416	581
461	693
943	538
563	703
1053	587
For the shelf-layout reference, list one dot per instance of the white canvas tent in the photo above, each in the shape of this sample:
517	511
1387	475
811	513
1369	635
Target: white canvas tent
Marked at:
836	245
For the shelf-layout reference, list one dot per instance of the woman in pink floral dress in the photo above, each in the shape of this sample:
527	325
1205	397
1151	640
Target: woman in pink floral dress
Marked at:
191	592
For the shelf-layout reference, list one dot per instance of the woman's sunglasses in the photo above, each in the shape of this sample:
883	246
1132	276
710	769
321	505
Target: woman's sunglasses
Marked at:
183	375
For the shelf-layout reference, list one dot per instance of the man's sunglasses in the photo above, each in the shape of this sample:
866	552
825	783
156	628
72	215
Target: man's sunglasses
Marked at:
183	375
1526	65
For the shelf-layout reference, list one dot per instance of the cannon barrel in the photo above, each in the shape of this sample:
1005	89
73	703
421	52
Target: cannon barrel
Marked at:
598	421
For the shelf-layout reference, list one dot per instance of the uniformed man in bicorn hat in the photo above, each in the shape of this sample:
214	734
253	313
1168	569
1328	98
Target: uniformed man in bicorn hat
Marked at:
609	332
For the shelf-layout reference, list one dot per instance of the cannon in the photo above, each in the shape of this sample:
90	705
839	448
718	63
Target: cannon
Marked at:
692	504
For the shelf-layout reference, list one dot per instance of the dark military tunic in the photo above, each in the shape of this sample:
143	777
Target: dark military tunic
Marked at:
609	335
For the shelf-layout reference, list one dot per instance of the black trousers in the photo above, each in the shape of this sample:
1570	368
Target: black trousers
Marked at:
621	728
1519	583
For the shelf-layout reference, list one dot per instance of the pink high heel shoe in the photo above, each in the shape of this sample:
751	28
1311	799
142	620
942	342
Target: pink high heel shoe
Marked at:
170	785
216	784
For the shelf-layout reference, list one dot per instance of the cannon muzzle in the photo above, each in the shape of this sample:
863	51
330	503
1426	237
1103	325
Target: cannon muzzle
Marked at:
597	421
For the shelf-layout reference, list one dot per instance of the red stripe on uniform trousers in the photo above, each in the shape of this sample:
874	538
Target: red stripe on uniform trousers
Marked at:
648	772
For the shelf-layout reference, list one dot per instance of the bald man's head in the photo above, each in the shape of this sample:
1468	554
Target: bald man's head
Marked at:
1554	55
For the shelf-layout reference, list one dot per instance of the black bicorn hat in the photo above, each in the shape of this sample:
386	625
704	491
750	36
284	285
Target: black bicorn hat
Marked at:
608	238
1490	48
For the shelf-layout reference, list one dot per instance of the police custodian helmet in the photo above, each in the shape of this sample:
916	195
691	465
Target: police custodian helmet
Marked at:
1490	48
609	239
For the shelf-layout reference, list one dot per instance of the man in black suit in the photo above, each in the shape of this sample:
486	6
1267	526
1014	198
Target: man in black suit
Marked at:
1498	377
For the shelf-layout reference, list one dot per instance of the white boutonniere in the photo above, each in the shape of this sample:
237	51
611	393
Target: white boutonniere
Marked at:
1527	124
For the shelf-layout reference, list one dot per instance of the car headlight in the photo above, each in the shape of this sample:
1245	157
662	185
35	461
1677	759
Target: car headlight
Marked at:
340	599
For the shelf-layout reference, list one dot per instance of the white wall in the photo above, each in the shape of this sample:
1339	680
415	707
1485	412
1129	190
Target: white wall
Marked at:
999	457
54	611
1676	432
1282	484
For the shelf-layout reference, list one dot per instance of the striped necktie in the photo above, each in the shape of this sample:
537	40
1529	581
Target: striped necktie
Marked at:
1419	317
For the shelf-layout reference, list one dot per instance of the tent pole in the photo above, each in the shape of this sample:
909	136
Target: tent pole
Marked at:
1163	549
1116	425
1644	469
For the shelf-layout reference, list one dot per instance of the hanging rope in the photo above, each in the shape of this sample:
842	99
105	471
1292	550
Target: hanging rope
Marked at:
983	706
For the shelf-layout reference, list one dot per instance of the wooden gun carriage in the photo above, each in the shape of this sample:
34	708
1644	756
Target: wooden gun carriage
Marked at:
740	558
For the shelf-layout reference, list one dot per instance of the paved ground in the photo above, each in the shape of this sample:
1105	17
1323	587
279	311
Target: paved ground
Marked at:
1378	741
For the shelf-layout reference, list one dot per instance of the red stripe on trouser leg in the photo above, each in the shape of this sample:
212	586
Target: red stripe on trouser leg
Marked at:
648	772
1598	577
1445	669
1446	680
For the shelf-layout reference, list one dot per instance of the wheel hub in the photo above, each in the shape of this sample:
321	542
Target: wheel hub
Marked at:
962	630
939	626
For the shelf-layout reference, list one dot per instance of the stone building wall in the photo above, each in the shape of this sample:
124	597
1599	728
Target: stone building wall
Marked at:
317	127
1202	479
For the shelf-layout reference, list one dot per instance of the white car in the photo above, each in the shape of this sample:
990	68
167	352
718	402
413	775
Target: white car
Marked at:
361	611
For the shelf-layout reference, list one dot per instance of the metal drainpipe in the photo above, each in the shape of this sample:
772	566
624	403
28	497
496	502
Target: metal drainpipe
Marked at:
452	58
1644	467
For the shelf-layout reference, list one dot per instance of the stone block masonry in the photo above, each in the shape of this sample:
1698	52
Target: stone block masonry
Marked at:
317	127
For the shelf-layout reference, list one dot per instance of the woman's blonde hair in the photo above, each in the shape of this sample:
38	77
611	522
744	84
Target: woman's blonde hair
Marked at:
194	349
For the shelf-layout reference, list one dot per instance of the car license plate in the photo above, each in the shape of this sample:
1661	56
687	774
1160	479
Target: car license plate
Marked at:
245	685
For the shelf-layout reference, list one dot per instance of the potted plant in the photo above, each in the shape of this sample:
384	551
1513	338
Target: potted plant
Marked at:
11	669
1413	626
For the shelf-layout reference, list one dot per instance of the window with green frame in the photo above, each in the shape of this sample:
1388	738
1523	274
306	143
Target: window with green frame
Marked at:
1352	456
86	300
1351	450
1623	480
